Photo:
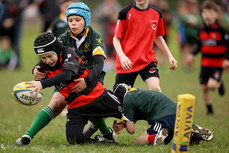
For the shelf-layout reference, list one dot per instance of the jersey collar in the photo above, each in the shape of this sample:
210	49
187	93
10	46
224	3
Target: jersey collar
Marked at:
134	5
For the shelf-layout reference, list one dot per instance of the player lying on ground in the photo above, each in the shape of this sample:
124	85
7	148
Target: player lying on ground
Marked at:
62	66
160	113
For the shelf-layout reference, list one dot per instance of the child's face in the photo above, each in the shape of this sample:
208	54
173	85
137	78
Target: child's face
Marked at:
209	16
49	58
76	24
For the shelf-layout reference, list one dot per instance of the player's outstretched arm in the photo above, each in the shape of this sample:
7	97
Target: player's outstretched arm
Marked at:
161	44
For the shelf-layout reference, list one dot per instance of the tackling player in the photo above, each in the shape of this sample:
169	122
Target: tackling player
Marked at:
62	66
158	110
89	46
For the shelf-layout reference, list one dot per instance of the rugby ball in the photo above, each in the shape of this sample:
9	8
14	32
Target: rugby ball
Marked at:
23	95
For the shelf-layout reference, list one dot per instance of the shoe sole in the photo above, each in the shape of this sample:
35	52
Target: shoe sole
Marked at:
205	133
162	135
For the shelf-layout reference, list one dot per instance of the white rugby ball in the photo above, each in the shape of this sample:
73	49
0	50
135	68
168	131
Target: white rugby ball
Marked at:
23	96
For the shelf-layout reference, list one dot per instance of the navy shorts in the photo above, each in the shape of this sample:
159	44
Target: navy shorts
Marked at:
167	122
206	73
129	78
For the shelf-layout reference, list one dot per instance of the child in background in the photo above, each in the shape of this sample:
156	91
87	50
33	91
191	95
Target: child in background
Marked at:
190	22
60	23
90	48
160	113
138	27
213	42
5	51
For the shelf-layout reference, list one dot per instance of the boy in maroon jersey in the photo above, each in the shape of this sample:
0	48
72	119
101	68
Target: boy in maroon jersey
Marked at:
138	27
213	43
62	66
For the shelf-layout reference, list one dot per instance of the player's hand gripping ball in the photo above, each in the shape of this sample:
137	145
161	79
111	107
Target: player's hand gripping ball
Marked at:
24	96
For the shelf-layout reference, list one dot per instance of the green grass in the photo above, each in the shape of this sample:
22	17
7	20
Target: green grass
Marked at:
16	119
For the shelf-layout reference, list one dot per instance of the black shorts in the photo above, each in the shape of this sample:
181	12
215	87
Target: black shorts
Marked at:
206	73
129	78
108	106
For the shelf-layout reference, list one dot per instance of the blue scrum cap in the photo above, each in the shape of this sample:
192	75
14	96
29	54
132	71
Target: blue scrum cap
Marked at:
80	9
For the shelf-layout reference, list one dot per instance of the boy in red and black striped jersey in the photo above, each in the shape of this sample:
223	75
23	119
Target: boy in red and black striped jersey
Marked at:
62	66
138	27
213	43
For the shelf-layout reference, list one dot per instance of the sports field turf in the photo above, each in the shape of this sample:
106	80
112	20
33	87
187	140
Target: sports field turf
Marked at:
15	119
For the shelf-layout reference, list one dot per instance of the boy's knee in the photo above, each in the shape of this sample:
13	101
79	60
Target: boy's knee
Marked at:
57	106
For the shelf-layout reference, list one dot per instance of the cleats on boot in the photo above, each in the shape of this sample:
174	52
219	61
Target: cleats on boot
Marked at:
110	135
221	89
102	140
205	134
195	138
24	140
89	129
160	137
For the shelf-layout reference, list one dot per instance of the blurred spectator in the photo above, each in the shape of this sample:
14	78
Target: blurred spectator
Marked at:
1	10
189	25
59	25
6	51
49	10
11	27
106	15
7	31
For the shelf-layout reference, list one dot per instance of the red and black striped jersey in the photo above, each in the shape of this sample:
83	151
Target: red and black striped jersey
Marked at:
137	30
213	44
69	60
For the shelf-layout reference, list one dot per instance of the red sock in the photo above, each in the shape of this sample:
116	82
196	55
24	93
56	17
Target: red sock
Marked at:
151	138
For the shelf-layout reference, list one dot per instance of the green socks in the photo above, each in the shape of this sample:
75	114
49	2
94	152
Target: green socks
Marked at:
41	120
101	125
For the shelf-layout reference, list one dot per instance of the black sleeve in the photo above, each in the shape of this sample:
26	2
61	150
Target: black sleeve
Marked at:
59	78
97	69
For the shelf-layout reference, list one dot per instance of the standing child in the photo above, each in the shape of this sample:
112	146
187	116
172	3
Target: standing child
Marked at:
213	44
138	27
62	66
90	48
160	113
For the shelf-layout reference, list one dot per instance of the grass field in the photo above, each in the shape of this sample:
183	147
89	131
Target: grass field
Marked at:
16	119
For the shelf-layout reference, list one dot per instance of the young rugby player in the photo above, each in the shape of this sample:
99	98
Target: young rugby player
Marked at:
62	66
138	27
213	43
90	48
158	110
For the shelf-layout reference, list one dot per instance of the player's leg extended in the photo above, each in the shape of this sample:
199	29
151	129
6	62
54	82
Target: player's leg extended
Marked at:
207	98
43	118
154	138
